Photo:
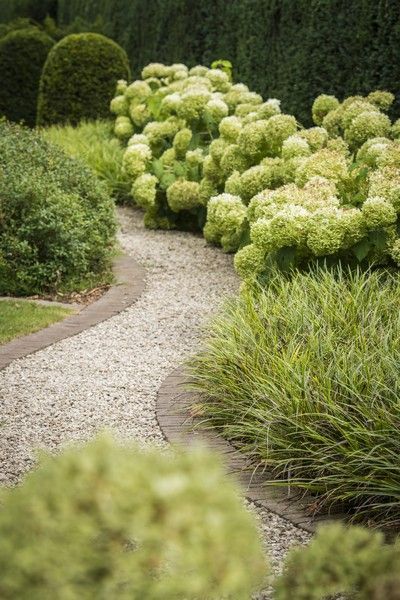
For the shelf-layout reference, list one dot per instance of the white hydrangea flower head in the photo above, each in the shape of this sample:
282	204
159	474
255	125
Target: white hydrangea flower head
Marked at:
325	163
385	183
195	157
269	108
233	160
278	129
170	103
193	102
135	159
372	150
219	80
316	137
121	86
198	71
139	114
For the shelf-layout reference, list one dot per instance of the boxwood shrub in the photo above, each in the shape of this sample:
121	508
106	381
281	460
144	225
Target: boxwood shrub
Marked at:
22	56
57	221
79	79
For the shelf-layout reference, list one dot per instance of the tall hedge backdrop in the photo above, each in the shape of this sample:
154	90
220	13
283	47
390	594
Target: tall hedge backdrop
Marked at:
290	49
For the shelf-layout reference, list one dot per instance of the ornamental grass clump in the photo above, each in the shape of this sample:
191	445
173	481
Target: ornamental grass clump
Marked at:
303	376
106	521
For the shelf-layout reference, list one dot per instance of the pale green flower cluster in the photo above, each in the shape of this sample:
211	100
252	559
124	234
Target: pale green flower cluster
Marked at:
202	151
226	217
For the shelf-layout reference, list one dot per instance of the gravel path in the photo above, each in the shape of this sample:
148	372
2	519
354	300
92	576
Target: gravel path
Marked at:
108	376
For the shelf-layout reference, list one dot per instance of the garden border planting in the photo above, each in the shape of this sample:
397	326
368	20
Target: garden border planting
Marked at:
129	285
180	426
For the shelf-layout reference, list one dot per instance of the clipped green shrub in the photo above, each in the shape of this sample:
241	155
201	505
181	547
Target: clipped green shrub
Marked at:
350	560
22	55
112	522
304	376
79	78
94	143
57	220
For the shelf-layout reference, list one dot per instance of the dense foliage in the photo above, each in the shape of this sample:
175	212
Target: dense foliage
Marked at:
22	55
112	522
290	50
303	375
342	560
79	78
37	10
57	220
94	143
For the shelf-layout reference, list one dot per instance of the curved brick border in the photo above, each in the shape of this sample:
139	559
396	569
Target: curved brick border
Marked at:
181	427
130	283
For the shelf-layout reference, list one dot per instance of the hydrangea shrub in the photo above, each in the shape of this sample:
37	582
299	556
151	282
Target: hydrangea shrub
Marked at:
107	521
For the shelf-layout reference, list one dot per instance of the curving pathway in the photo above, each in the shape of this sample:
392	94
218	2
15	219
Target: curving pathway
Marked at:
108	376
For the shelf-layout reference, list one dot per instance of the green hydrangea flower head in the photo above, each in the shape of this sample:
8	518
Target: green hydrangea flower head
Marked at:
119	105
326	231
138	91
269	108
168	157
216	109
395	131
316	137
323	105
157	70
378	213
123	128
385	183
233	160
144	190
230	128
380	99
195	157
277	129
367	125
252	140
135	159
212	170
183	195
138	138
294	146
395	252
139	114
198	71
325	163
217	148
121	87
249	261
181	142
207	190
372	150
219	80
193	102
226	215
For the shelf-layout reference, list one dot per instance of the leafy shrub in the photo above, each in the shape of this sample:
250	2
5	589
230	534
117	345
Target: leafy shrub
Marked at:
107	521
57	221
94	143
22	55
79	78
304	376
342	560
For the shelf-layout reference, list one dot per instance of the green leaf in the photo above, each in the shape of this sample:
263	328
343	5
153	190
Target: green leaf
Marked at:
180	169
361	249
166	180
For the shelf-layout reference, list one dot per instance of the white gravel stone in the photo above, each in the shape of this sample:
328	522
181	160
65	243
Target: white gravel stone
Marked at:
107	377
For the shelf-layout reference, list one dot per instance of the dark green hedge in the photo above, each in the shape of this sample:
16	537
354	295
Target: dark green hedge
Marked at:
290	49
33	9
79	79
22	56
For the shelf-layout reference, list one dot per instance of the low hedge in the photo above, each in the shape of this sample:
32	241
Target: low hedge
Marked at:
57	220
79	79
22	56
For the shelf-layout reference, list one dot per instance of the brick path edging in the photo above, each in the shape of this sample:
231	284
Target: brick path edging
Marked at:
129	284
181	428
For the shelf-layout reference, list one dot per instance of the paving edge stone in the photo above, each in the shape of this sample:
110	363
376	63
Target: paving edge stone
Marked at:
129	285
181	428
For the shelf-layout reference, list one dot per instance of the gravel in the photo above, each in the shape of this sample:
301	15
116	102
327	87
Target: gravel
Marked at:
107	377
